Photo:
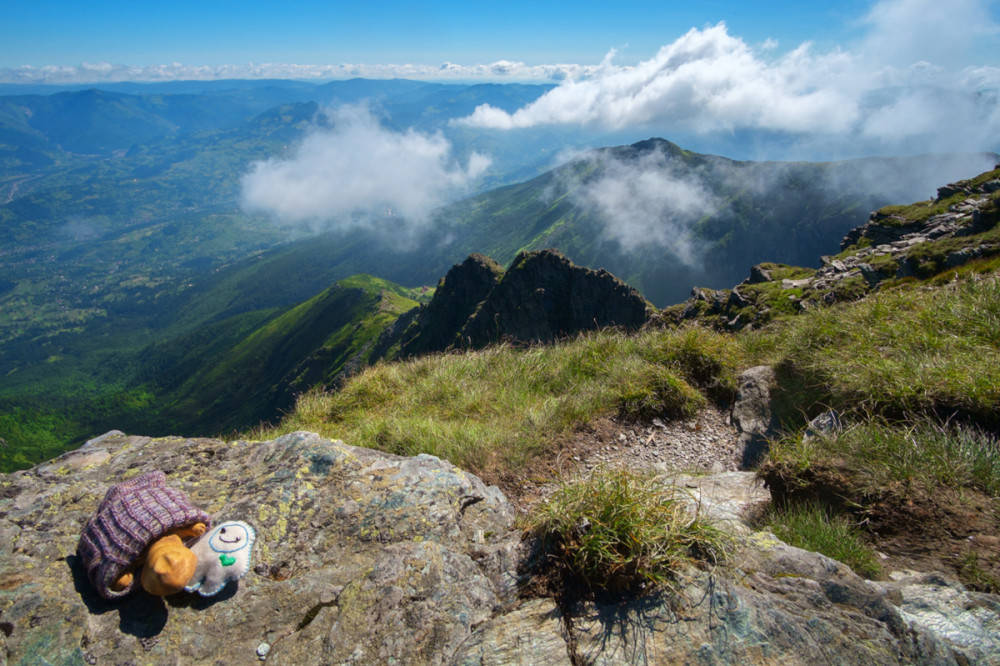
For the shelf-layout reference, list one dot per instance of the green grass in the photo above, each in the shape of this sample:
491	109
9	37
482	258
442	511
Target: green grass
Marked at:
907	351
617	529
902	215
975	576
811	526
492	411
879	455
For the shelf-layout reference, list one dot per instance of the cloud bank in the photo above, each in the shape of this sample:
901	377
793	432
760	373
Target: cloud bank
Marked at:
899	83
352	172
105	72
706	80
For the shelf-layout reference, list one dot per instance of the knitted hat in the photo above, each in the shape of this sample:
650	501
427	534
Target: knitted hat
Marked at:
132	515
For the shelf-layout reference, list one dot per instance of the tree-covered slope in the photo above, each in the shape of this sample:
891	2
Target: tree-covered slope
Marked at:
254	379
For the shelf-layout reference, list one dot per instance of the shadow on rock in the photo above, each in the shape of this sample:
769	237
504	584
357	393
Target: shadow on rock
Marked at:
623	628
140	615
96	604
198	602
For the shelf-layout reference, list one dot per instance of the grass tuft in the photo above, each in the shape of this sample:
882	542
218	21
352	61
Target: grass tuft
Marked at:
811	526
620	530
918	454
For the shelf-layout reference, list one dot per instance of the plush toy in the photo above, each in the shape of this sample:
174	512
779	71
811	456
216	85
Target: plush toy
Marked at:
223	555
168	564
142	522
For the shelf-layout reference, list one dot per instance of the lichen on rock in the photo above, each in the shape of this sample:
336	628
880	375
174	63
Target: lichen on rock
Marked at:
411	553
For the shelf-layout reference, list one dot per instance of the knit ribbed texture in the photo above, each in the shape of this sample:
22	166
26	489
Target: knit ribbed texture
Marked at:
132	515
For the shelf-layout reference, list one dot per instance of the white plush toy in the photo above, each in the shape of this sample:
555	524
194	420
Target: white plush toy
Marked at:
223	555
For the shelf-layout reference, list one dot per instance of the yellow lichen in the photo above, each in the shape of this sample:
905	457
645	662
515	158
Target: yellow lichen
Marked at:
764	540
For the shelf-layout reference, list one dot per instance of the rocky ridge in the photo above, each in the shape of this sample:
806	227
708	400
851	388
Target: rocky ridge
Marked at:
541	297
897	243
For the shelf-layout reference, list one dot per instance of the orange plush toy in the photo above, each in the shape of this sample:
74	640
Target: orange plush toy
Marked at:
167	565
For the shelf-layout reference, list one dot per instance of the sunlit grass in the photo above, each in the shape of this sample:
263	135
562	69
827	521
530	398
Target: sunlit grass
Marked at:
493	410
929	351
812	527
880	455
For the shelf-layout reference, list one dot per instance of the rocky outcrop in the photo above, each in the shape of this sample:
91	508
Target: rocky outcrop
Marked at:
971	210
892	243
541	297
897	242
364	557
361	556
458	295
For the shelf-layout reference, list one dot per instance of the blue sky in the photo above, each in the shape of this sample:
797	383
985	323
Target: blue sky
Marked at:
216	33
140	34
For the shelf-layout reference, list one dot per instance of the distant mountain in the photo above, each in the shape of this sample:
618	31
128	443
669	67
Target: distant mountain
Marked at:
100	120
665	219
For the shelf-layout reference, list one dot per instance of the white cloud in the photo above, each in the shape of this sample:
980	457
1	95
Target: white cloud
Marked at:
353	173
647	201
709	81
111	73
903	32
706	80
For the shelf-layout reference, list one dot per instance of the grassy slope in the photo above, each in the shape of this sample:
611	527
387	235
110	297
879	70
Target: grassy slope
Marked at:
228	374
911	351
492	411
257	377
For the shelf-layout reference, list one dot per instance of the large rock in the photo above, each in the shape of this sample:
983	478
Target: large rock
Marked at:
773	604
544	296
753	415
364	557
361	556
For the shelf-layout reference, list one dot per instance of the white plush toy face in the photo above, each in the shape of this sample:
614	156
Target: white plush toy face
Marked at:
230	537
223	555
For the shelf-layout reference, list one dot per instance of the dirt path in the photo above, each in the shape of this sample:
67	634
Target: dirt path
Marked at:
705	443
